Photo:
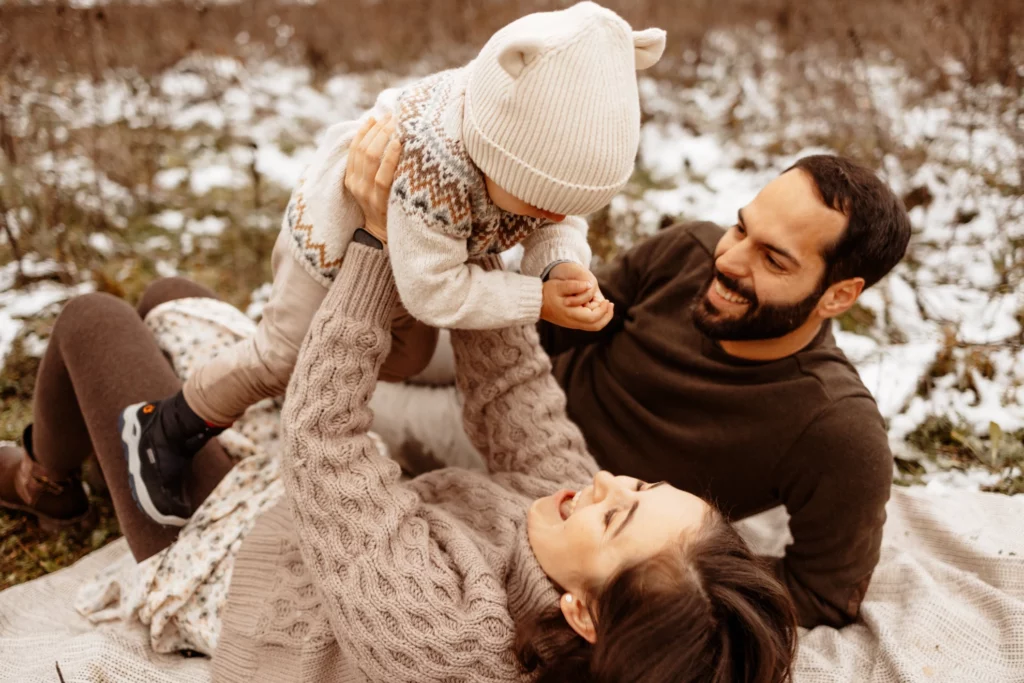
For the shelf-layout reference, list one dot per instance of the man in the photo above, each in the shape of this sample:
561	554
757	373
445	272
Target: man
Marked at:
720	374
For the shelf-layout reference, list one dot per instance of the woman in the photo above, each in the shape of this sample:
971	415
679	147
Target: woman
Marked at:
541	569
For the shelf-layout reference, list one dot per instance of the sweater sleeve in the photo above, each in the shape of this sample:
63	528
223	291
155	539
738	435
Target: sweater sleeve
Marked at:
440	288
514	411
399	601
836	513
563	241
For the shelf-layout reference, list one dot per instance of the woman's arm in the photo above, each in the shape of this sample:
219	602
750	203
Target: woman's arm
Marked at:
403	591
514	409
338	483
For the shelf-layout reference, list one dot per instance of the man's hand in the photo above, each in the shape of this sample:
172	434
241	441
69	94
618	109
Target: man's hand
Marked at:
370	170
570	303
574	271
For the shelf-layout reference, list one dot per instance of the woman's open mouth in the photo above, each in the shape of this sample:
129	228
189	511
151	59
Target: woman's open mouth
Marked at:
567	503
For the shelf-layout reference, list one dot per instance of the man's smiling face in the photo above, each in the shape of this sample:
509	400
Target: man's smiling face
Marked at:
769	268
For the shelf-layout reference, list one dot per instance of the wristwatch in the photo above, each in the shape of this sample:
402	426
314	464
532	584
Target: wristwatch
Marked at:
363	237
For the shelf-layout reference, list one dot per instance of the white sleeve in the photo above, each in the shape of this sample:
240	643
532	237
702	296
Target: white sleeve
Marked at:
564	241
439	287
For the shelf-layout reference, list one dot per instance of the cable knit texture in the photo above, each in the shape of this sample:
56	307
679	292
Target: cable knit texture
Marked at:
363	576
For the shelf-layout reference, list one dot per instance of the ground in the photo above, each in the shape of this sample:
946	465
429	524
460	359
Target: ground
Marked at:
111	179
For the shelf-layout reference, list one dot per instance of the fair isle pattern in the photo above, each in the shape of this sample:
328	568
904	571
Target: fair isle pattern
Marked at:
437	181
323	258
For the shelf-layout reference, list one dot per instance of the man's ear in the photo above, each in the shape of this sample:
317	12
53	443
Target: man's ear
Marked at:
578	617
840	297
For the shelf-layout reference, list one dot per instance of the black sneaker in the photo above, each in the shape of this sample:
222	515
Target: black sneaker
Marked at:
159	441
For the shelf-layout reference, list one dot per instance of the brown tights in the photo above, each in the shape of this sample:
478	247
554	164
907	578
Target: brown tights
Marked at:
101	358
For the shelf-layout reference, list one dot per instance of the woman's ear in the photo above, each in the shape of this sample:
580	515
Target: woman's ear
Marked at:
648	46
578	617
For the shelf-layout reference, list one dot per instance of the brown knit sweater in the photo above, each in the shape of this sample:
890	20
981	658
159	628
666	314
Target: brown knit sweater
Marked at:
658	400
359	576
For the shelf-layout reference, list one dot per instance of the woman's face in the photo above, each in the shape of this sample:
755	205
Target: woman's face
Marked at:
582	539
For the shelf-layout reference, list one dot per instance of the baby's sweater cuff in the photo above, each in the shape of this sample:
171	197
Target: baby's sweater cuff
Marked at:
530	295
365	288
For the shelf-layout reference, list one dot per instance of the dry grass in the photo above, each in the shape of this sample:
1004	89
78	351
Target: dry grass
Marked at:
984	36
957	446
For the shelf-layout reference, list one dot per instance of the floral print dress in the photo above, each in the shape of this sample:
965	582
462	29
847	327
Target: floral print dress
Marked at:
180	592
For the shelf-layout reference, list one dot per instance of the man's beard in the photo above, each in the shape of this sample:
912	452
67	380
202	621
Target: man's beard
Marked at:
759	321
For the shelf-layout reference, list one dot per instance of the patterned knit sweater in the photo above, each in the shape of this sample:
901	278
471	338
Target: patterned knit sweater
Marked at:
439	217
359	575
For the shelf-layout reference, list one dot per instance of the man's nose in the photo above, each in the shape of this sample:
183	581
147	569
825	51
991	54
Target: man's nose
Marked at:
734	262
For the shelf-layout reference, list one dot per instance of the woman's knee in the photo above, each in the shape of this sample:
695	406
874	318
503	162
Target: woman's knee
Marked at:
168	289
89	310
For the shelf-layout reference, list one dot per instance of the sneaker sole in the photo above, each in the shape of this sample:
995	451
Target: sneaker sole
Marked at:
131	433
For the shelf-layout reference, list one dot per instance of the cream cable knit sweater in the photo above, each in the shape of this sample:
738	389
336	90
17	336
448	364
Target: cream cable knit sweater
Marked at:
362	576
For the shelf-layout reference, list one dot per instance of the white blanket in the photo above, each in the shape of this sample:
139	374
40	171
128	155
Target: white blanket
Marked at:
946	605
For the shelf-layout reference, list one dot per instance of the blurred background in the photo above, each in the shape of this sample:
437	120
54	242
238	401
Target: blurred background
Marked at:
146	139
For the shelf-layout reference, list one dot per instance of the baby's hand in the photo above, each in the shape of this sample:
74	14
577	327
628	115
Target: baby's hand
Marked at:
574	271
566	304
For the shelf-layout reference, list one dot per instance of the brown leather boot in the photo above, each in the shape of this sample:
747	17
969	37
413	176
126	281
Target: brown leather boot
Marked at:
27	486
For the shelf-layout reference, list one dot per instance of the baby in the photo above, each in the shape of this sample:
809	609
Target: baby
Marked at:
540	129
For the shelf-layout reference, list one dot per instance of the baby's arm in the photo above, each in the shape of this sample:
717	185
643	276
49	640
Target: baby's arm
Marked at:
439	287
563	241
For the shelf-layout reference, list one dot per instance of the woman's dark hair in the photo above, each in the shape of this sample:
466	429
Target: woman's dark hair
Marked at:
704	610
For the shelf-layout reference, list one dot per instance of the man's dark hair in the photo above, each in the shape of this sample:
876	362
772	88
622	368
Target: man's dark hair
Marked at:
878	227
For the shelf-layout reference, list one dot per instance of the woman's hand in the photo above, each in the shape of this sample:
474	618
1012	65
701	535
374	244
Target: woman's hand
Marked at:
370	170
572	304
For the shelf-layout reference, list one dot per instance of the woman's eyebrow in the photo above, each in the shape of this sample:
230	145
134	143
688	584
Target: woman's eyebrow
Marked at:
629	516
632	510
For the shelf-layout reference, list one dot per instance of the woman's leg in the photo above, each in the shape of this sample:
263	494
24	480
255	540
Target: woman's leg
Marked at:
169	289
101	358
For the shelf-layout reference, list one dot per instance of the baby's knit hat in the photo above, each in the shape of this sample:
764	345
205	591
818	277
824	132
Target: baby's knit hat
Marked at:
552	111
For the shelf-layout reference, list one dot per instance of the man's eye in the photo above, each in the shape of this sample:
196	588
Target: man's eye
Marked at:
639	486
740	230
773	263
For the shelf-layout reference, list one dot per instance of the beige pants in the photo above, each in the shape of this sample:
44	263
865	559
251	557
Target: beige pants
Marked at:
259	367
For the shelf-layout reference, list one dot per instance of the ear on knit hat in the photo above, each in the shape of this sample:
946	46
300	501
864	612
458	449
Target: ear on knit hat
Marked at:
518	54
552	111
648	46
